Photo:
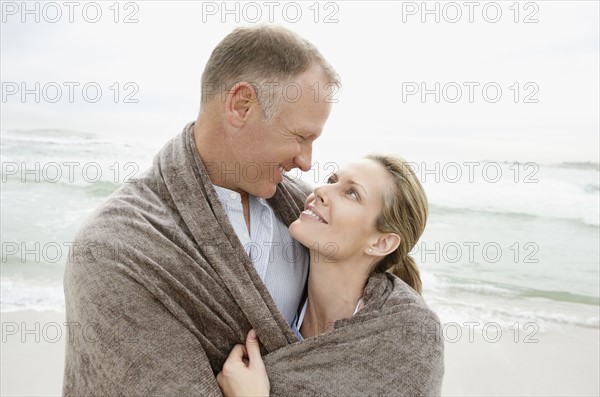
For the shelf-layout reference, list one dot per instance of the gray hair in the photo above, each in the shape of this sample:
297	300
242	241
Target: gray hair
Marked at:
267	56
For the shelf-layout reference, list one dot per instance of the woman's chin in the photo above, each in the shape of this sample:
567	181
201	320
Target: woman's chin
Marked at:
299	233
293	228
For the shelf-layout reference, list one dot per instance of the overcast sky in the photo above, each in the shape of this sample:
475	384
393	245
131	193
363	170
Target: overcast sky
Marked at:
382	50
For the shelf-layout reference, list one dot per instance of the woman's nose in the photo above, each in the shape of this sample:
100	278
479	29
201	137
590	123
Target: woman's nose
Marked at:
321	195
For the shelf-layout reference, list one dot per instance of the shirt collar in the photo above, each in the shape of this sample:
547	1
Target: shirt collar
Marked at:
231	196
227	195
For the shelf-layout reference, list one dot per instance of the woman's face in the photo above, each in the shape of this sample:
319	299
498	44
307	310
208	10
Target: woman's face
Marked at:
339	218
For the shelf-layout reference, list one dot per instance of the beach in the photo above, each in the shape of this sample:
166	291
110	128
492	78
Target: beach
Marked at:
563	362
494	105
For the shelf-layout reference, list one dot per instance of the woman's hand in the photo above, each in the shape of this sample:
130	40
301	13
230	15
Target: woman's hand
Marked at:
244	372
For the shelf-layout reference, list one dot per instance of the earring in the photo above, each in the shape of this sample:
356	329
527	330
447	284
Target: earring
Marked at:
370	251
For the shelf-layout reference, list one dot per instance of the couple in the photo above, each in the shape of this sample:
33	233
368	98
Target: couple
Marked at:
168	295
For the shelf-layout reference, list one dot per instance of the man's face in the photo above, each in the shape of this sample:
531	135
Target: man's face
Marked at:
266	149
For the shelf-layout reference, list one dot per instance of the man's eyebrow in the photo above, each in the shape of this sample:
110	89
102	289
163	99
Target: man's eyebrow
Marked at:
304	134
310	131
307	134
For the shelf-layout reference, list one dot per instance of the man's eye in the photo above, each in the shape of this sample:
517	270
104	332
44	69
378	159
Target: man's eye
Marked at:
300	138
330	180
353	193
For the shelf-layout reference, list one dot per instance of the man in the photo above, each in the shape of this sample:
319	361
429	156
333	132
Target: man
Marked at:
192	255
249	133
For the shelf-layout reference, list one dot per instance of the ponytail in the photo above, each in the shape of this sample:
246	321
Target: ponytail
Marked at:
408	272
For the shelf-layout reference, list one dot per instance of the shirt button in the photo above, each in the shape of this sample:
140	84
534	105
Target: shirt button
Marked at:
233	195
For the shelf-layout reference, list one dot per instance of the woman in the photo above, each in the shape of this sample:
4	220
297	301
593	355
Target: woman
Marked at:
359	226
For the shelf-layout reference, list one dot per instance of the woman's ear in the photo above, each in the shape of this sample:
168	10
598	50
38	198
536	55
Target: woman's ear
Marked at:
239	104
386	243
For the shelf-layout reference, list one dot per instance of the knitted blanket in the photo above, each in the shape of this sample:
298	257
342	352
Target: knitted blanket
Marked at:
392	347
159	289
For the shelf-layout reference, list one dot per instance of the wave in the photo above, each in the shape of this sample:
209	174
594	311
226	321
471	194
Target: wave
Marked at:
590	220
453	283
15	296
463	313
554	193
585	165
99	189
578	165
36	133
464	300
23	145
560	296
592	188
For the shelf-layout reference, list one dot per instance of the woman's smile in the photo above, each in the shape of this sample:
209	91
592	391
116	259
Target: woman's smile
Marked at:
311	212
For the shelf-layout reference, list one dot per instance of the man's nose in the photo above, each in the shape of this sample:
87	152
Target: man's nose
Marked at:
303	159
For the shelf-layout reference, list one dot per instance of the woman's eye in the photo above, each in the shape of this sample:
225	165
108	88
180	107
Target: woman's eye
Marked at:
353	193
330	180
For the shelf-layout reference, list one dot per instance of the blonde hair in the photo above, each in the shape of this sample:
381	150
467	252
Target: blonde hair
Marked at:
404	212
264	56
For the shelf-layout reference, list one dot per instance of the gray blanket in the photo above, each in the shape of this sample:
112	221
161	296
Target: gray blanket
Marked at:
159	289
392	347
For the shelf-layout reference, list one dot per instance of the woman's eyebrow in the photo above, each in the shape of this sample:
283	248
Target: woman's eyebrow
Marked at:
352	182
359	185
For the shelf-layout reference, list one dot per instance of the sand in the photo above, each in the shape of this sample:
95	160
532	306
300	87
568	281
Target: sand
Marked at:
31	367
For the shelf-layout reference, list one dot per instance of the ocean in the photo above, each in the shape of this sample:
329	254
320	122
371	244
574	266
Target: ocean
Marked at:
509	244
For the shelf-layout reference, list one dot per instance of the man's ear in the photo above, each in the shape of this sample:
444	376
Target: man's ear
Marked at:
385	243
240	103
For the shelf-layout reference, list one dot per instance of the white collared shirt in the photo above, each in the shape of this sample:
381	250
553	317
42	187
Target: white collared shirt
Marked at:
280	261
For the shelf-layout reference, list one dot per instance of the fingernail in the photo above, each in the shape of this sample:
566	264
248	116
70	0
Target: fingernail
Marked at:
252	334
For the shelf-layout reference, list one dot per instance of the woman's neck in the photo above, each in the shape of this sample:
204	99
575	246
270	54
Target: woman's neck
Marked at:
334	290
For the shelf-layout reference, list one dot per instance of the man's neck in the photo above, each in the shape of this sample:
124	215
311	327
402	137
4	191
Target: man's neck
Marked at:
246	208
211	152
212	149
